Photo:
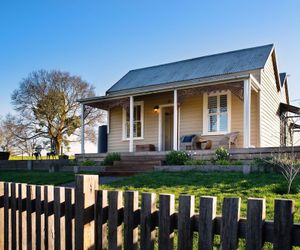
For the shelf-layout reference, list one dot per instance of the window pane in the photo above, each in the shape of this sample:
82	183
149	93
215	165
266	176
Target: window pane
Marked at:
137	123
138	129
137	113
223	103
212	123
212	104
223	122
127	115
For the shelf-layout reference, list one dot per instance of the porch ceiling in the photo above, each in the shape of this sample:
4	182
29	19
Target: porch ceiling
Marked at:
236	88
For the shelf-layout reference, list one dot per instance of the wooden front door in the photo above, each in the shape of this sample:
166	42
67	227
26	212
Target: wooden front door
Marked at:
167	128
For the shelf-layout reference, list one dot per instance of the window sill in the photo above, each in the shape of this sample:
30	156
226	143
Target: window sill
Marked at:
135	139
215	133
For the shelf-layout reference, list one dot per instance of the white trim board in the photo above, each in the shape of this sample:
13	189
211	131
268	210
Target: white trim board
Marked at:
124	122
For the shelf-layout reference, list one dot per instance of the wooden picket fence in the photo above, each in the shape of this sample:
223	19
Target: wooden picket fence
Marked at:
47	217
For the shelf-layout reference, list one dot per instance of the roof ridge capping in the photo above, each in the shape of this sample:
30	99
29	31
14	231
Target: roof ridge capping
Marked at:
271	45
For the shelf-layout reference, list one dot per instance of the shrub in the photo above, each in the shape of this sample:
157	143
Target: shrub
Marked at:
110	158
222	162
237	163
72	162
88	163
177	158
195	162
264	162
63	157
222	153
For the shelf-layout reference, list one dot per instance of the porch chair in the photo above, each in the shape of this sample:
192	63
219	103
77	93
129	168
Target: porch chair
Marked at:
229	139
199	140
186	142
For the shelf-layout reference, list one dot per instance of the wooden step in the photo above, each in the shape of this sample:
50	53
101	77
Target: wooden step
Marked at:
137	163
130	168
142	157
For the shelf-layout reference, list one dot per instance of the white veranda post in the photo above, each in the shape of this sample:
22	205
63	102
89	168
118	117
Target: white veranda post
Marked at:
82	128
247	112
131	113
175	122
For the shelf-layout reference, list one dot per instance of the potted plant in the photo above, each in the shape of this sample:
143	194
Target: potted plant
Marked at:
4	154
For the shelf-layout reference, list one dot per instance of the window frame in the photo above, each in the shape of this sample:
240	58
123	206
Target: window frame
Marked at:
124	127
205	112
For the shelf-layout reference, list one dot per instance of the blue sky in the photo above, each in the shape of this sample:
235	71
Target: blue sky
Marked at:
102	40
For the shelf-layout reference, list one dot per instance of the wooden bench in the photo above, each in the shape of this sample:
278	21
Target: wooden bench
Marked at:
215	141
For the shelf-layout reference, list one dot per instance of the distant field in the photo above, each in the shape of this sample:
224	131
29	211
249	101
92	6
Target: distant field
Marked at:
71	157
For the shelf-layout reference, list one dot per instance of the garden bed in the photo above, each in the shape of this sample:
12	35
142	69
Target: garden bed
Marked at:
246	169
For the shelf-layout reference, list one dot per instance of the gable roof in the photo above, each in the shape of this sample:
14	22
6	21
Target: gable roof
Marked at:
284	84
282	78
196	68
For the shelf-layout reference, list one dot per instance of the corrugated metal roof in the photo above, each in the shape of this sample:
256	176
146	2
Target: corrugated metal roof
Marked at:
196	68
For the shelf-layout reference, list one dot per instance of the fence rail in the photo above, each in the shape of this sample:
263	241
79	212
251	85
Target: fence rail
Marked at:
47	217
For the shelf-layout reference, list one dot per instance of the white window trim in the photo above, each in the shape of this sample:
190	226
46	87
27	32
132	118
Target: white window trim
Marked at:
205	112
141	103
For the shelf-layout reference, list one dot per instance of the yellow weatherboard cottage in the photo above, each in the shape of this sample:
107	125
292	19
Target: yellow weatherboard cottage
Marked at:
237	98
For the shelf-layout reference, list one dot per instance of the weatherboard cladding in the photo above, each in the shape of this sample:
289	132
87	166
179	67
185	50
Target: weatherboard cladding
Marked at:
201	67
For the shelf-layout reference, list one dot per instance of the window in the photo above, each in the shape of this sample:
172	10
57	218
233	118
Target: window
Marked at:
138	121
217	113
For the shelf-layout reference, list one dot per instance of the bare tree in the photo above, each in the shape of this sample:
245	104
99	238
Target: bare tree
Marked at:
21	139
288	167
47	103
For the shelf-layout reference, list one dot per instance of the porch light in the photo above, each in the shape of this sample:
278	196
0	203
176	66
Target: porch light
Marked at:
155	109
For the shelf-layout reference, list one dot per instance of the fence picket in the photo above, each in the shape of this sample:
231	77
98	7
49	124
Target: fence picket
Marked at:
85	187
130	228
166	221
49	216
59	220
40	222
2	224
208	210
69	222
283	224
22	216
148	208
229	225
256	214
13	202
7	224
30	211
101	217
185	221
114	222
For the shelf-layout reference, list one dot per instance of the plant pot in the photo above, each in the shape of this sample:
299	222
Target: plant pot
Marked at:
4	156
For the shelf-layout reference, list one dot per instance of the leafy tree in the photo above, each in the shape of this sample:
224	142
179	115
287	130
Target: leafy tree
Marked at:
47	103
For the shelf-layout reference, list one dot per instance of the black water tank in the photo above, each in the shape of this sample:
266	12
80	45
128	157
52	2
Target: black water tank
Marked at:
102	139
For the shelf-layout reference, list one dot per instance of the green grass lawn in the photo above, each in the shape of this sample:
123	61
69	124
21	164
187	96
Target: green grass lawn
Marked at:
261	185
36	177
